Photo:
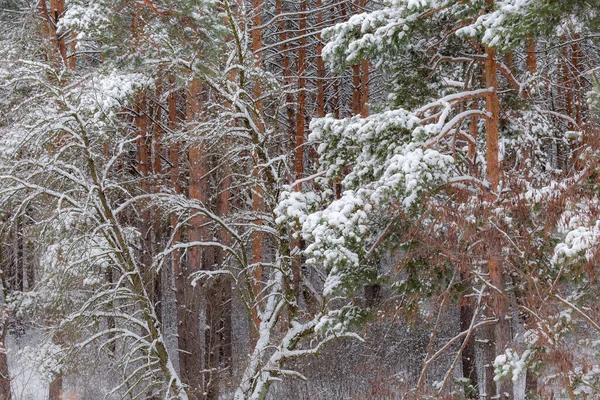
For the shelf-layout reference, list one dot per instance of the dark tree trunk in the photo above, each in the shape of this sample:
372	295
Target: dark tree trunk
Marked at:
56	389
468	355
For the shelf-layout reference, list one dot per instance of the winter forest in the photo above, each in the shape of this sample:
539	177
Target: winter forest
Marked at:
299	199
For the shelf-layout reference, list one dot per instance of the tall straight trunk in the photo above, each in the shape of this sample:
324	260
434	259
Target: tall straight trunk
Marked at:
218	295
29	267
157	221
359	104
531	65
212	295
285	63
357	71
257	190
336	83
5	392
178	272
144	169
364	77
502	333
213	291
469	366
19	263
299	138
320	65
188	310
225	328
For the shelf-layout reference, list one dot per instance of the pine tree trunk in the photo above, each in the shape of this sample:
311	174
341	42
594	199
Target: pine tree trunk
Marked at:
285	64
144	168
178	271
225	328
299	139
212	341
530	63
257	190
20	256
157	221
502	332
320	65
189	310
356	96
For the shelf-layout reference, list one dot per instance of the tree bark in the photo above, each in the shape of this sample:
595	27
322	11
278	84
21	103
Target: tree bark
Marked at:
225	328
530	63
56	389
502	333
5	391
190	348
57	8
257	190
299	140
469	366
320	65
158	227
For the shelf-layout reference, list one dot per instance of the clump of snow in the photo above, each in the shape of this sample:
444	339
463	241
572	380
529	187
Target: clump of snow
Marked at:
580	241
511	364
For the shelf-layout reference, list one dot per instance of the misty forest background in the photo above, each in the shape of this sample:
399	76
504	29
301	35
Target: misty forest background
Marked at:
299	199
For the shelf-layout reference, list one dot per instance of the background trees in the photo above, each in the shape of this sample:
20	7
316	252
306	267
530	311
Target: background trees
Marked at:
196	195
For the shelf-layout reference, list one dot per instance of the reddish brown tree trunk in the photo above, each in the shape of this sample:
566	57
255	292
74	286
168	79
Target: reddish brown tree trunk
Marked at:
257	191
576	59
356	96
299	139
364	78
57	8
285	63
190	355
72	56
158	227
502	331
320	66
530	62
